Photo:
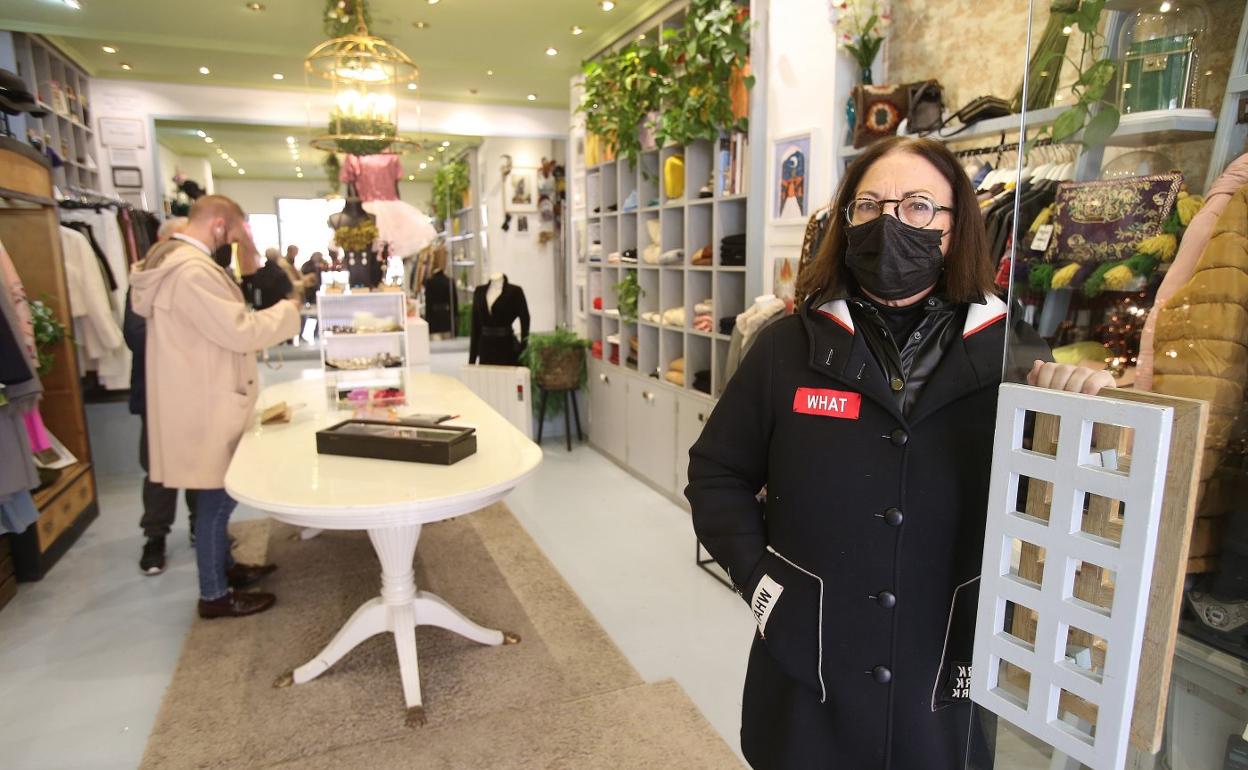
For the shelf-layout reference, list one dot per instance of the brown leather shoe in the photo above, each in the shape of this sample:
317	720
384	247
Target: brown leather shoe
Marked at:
243	575
236	604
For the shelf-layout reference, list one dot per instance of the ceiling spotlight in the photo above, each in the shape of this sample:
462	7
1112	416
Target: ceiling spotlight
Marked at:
424	166
290	140
421	24
532	97
298	168
257	7
552	51
441	149
1165	7
434	2
242	171
446	144
208	140
411	177
278	76
430	158
126	67
200	133
642	36
490	73
108	49
77	6
412	86
204	70
299	174
606	5
576	29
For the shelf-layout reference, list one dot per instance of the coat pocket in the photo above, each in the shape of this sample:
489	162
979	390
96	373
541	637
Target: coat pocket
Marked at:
953	675
787	602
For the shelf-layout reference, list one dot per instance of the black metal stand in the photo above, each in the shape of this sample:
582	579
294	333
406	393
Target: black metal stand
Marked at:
711	567
569	404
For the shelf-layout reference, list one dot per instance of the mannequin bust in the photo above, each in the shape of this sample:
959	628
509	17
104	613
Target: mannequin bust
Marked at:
495	290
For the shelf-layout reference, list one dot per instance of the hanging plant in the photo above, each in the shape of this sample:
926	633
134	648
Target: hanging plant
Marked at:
449	186
706	54
1093	114
333	168
621	91
49	332
361	136
340	16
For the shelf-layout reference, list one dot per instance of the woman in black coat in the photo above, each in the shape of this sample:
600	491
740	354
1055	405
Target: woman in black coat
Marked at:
866	420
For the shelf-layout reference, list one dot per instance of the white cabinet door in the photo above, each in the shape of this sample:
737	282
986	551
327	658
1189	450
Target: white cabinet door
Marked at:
606	409
691	414
651	416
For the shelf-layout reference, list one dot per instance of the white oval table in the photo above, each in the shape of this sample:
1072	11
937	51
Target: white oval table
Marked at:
277	469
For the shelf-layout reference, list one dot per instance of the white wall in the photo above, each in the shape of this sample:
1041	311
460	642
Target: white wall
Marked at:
804	71
196	168
514	253
149	101
259	196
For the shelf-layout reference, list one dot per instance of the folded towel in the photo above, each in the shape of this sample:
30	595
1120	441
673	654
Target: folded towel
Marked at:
703	323
613	339
674	317
672	257
703	307
653	317
677	365
676	378
613	258
612	312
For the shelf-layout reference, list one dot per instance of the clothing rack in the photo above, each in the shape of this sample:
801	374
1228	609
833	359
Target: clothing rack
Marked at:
1001	147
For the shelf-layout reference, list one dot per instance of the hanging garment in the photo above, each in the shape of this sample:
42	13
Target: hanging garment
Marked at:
17	470
105	268
376	179
107	228
17	295
17	512
493	339
441	303
748	325
94	325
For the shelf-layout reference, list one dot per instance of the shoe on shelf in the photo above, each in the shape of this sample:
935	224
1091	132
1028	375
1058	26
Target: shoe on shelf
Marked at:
153	560
236	604
243	575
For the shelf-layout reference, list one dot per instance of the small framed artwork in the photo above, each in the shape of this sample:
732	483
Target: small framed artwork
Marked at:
790	178
127	176
520	191
784	281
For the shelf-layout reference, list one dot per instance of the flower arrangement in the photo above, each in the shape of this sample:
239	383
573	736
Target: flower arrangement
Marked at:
861	26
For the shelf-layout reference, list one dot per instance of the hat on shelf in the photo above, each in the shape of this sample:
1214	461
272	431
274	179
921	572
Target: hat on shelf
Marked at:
15	99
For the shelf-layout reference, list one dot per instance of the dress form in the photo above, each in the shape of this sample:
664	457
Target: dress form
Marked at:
495	290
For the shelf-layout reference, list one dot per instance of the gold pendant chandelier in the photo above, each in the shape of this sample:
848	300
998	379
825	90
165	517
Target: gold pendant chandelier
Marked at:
365	73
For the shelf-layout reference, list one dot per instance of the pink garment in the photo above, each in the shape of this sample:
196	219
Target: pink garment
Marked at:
1184	267
376	177
36	431
17	293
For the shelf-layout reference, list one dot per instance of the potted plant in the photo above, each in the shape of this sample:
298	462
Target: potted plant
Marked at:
622	92
556	361
860	27
450	186
628	291
49	332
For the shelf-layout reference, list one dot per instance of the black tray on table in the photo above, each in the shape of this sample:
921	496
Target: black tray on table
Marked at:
381	440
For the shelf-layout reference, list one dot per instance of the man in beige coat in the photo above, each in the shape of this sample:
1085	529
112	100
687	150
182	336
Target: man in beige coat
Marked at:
202	381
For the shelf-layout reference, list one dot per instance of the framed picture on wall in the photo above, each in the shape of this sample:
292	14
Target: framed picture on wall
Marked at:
790	178
784	281
520	191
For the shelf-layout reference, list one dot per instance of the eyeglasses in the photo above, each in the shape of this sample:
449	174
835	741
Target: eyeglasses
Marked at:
914	210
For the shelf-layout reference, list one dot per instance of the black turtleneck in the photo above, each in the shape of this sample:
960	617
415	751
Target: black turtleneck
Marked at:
901	321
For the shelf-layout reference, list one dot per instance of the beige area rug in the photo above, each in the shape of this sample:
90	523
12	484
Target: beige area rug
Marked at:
565	697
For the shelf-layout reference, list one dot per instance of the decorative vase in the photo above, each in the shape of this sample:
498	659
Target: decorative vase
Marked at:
851	111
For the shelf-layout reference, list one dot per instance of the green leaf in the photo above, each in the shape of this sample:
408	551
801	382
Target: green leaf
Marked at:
1069	123
1089	15
749	81
1101	127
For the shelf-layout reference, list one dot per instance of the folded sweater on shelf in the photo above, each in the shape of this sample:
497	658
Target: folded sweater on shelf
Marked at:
703	257
676	378
703	307
612	312
677	365
613	339
703	323
653	317
613	258
674	317
702	380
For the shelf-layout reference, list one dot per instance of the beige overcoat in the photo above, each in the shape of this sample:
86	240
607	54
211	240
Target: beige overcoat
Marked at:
201	366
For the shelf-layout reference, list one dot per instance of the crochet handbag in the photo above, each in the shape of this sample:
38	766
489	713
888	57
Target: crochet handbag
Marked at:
880	110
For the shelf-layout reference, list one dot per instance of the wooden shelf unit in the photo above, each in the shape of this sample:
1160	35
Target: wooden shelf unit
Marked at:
29	229
44	68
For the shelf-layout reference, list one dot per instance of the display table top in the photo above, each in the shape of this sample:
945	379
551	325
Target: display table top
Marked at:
277	469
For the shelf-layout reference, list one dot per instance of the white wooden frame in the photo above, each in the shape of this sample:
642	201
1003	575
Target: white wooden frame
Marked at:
1073	471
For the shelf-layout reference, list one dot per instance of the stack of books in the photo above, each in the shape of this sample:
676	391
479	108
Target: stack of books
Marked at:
734	164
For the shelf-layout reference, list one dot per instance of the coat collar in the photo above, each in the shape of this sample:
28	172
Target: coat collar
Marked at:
972	361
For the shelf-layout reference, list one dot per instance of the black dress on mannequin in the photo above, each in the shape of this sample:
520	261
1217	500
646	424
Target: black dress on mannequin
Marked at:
493	340
441	303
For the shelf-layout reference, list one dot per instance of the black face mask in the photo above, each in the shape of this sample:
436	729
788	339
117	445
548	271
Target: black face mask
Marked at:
223	255
891	259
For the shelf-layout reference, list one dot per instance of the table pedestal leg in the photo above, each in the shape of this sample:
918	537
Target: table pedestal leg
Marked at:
399	609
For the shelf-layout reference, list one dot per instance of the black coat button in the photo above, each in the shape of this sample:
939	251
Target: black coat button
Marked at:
886	599
893	517
899	437
881	674
896	384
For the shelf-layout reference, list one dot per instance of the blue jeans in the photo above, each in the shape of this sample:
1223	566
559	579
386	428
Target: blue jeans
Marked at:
212	542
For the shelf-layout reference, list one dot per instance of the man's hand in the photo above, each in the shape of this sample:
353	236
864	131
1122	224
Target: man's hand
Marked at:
248	255
1074	379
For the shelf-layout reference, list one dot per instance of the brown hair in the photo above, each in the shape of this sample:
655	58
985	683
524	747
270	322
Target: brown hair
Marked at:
210	206
968	272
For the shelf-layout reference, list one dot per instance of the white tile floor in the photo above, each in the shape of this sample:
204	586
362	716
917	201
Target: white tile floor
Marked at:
85	654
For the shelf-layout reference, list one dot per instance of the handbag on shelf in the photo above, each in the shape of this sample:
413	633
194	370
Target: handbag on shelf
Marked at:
1105	220
927	106
880	110
979	108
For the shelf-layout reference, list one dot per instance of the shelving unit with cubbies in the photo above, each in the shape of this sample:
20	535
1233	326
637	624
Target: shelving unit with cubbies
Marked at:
640	417
61	88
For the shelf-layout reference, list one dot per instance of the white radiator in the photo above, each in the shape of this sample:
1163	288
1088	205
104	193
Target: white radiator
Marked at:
505	389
